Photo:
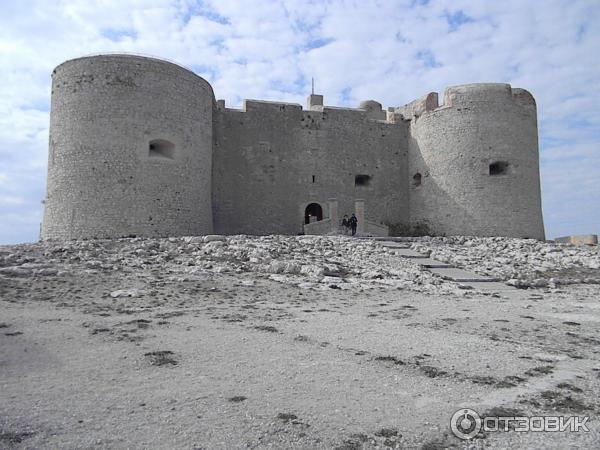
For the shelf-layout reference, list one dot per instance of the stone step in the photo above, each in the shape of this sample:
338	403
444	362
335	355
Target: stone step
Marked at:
406	253
386	238
388	244
489	286
445	270
460	275
431	263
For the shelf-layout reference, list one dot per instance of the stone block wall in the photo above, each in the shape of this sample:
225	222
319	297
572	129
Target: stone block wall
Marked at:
272	160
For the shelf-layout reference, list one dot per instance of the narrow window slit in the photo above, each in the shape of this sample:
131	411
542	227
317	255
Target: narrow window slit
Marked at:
417	179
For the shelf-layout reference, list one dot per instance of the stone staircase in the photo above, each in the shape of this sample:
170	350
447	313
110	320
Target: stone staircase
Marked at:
446	271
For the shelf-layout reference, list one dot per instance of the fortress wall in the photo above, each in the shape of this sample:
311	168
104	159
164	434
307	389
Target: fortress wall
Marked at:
266	157
138	146
452	148
103	179
263	105
417	107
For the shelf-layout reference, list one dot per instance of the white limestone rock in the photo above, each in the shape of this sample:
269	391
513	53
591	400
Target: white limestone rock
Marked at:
126	293
214	238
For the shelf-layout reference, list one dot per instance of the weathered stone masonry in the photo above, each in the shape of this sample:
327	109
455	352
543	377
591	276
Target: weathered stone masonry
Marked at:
140	146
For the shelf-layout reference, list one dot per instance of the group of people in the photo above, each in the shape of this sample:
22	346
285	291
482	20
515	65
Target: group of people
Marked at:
349	224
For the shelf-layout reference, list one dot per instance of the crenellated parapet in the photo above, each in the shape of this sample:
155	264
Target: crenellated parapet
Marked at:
263	105
484	94
417	107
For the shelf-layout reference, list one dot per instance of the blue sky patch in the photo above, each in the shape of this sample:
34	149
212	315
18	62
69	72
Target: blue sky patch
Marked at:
456	19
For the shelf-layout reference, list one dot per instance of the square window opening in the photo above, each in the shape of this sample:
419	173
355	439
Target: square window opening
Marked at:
362	180
498	168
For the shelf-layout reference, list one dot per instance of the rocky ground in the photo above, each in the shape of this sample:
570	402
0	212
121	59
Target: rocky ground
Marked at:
520	262
292	342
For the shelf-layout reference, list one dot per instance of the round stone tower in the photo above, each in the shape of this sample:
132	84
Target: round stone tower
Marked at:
130	149
474	164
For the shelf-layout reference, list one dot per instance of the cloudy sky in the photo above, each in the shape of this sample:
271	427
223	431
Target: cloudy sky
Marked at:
391	51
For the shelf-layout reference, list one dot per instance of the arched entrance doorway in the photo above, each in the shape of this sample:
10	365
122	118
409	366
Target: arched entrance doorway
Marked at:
313	213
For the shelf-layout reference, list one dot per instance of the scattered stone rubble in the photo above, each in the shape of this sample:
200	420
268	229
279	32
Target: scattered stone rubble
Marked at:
519	262
309	262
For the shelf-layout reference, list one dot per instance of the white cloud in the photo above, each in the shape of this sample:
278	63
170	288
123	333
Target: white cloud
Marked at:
8	200
392	52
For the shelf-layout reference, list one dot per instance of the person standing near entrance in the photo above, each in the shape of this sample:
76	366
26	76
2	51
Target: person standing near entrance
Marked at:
353	223
345	224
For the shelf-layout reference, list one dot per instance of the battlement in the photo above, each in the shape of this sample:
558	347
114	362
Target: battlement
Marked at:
368	110
477	92
464	95
428	102
264	105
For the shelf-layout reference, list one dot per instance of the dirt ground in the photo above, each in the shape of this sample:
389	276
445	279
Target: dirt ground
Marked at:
239	360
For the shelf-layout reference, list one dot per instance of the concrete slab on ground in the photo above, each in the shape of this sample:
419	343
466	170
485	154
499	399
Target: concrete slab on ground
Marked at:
580	239
489	286
460	275
445	270
431	263
405	252
389	244
386	238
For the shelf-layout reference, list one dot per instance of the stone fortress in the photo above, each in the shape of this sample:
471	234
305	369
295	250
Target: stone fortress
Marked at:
140	147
